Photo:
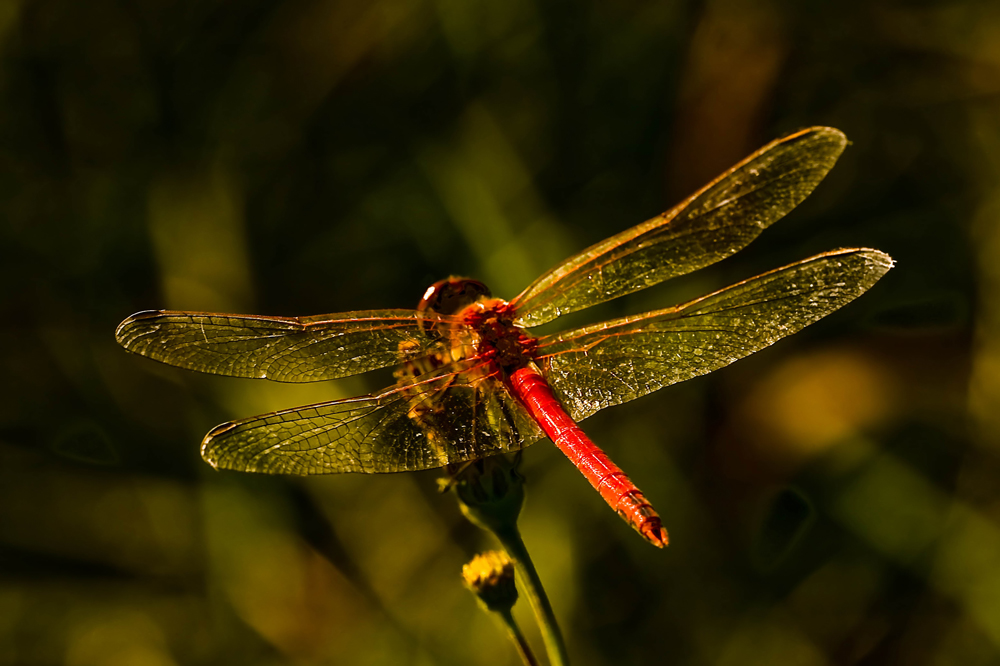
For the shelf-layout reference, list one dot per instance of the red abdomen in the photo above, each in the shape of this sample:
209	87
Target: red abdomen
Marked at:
607	478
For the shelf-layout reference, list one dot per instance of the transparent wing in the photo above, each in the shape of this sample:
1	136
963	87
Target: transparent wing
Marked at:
607	364
446	418
285	349
720	219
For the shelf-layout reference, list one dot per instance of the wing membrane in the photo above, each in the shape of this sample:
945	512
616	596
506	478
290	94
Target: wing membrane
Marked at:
614	362
720	219
448	418
285	349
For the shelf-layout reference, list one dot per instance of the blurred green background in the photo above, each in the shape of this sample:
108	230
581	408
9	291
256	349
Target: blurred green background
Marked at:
834	499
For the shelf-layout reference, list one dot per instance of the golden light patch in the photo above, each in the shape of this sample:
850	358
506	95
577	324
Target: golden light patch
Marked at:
810	403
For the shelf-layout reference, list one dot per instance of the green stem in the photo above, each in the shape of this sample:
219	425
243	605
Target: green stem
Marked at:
523	649
531	585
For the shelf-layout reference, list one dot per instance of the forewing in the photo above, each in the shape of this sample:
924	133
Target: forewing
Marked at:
611	363
720	219
285	349
446	418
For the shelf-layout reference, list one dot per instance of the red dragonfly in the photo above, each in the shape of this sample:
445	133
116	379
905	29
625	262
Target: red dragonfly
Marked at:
473	382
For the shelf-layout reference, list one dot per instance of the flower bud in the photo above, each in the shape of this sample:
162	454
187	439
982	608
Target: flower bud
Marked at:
491	492
491	577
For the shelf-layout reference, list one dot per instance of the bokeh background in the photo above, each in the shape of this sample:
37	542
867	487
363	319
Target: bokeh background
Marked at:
834	499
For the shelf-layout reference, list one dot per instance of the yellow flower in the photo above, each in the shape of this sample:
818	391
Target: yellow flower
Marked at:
491	577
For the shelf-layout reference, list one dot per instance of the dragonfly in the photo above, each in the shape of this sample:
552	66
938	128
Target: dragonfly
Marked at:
473	382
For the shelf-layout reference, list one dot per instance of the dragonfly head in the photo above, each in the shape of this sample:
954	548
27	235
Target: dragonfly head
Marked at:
452	295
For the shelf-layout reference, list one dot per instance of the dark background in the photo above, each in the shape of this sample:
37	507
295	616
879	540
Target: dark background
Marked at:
832	500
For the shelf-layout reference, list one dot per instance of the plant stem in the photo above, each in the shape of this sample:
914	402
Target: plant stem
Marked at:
514	631
531	586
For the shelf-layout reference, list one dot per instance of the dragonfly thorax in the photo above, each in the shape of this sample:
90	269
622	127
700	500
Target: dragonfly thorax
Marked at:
507	345
489	320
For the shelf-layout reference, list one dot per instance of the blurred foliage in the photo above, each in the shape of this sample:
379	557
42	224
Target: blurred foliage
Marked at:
832	500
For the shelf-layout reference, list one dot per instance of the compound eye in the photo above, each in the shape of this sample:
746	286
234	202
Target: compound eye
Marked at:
452	295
